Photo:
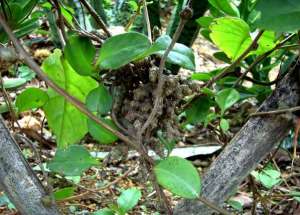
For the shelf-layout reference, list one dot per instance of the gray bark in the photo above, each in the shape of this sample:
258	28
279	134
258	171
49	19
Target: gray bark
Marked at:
255	140
18	180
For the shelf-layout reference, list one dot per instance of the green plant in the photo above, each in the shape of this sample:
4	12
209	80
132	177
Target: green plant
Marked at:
118	88
125	202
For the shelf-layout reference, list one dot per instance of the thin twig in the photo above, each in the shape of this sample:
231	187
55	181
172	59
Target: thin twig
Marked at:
133	17
279	111
213	206
159	191
262	57
95	15
185	15
78	104
161	78
89	191
9	104
148	24
254	194
60	22
230	68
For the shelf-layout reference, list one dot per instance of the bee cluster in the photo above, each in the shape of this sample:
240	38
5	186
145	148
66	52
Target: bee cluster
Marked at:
138	101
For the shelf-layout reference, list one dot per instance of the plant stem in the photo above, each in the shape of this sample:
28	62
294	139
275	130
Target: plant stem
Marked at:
262	57
279	111
78	104
213	206
146	15
95	15
230	68
161	80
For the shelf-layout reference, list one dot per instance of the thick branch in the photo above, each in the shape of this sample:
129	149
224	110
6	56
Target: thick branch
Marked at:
255	140
18	180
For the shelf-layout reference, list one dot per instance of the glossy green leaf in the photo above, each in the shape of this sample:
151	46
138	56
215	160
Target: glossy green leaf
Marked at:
231	35
80	53
72	161
104	211
67	14
101	134
226	6
31	98
265	43
224	124
279	15
121	49
180	55
226	98
205	21
178	176
198	110
201	76
66	121
128	199
10	83
99	100
64	193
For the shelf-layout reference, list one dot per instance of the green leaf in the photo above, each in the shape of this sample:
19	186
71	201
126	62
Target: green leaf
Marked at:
235	204
31	98
67	14
4	201
224	124
231	35
201	76
128	199
104	211
169	144
178	176
222	56
80	53
66	121
198	110
265	43
3	108
10	83
72	161
133	5
64	193
296	195
226	98
26	73
279	15
180	55
225	6
269	177
121	49
101	134
99	100
205	21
